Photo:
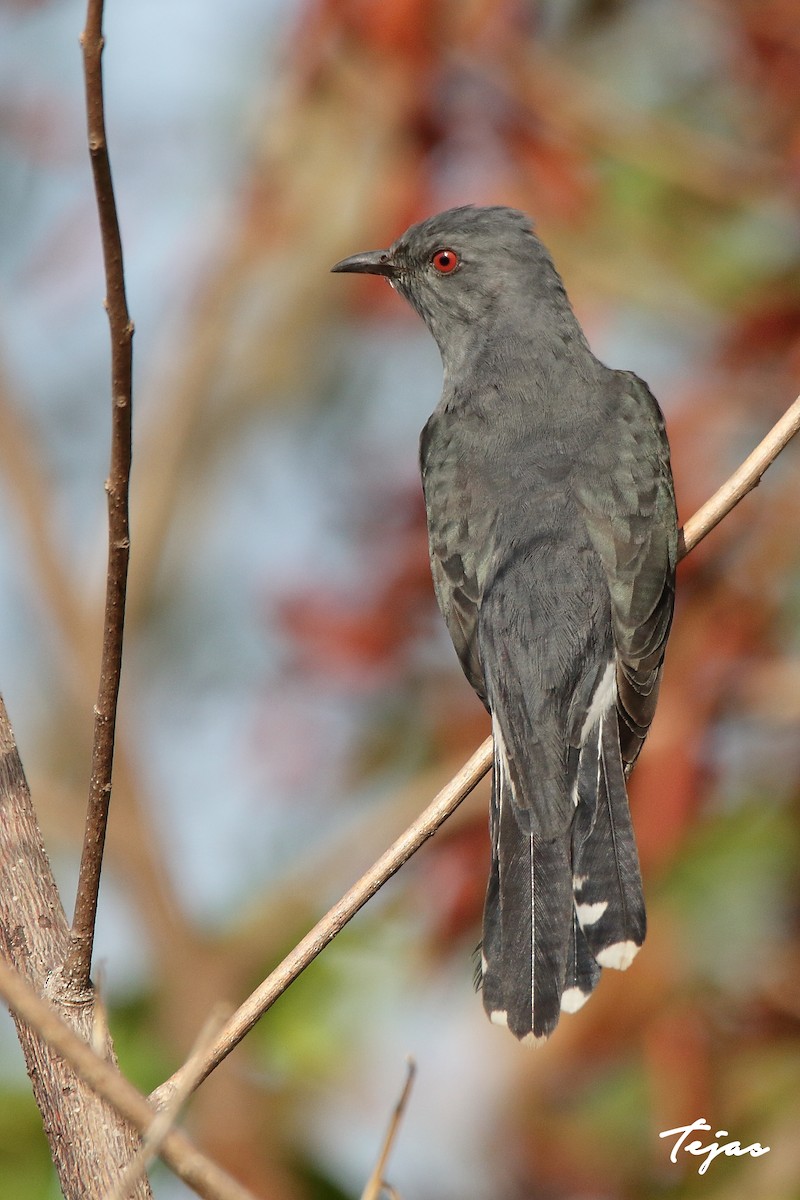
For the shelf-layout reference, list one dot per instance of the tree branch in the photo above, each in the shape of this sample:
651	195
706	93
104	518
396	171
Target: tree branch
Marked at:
742	481
89	1143
79	961
193	1167
448	799
336	918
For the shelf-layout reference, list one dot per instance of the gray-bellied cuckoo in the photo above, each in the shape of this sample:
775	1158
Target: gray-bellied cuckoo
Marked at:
553	544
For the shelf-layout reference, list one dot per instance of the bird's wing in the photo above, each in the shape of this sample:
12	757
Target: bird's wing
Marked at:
628	503
457	595
460	537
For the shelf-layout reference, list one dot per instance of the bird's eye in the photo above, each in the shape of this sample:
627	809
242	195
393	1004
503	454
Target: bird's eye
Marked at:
445	261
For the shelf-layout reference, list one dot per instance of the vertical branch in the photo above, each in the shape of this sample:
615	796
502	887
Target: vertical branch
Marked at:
91	1145
79	961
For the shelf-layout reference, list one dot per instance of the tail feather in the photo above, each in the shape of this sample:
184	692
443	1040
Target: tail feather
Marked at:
583	971
607	882
527	921
557	910
492	936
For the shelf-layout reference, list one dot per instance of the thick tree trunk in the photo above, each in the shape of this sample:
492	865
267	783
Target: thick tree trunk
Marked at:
89	1142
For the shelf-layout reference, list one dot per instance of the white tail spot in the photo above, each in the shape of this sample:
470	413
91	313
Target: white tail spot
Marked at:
590	914
573	999
619	956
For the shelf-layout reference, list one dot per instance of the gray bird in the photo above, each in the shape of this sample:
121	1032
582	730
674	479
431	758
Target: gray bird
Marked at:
553	545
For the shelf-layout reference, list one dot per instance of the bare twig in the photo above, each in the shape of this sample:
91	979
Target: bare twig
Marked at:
376	1184
448	799
79	962
193	1167
343	911
75	616
742	481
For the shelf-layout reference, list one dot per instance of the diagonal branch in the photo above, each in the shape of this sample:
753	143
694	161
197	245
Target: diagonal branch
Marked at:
743	480
79	962
335	920
193	1167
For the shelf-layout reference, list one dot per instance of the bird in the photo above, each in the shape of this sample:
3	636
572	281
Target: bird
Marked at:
553	542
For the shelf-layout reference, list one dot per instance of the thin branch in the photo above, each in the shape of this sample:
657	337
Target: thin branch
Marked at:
712	512
192	1166
742	481
376	1184
79	962
75	619
335	920
75	616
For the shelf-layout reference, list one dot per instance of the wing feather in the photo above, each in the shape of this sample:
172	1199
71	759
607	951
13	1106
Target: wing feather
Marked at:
628	504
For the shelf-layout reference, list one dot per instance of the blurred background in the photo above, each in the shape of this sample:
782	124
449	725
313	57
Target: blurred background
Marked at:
291	699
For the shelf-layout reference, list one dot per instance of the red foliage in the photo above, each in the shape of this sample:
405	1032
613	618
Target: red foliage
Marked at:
767	334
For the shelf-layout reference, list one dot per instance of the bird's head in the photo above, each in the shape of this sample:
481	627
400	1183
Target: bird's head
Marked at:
463	268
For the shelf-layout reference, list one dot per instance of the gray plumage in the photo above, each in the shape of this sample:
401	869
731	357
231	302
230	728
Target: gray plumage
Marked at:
553	544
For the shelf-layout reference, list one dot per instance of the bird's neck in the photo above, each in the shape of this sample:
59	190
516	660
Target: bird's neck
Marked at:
533	339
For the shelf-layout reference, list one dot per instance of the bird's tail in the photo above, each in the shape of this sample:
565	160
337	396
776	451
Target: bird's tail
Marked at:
609	901
527	924
557	910
583	970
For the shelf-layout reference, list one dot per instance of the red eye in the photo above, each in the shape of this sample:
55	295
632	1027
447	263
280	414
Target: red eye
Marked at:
445	261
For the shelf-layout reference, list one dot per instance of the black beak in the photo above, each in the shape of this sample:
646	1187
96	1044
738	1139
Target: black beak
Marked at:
374	262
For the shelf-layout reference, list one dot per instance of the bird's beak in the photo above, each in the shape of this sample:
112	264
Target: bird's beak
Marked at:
373	262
